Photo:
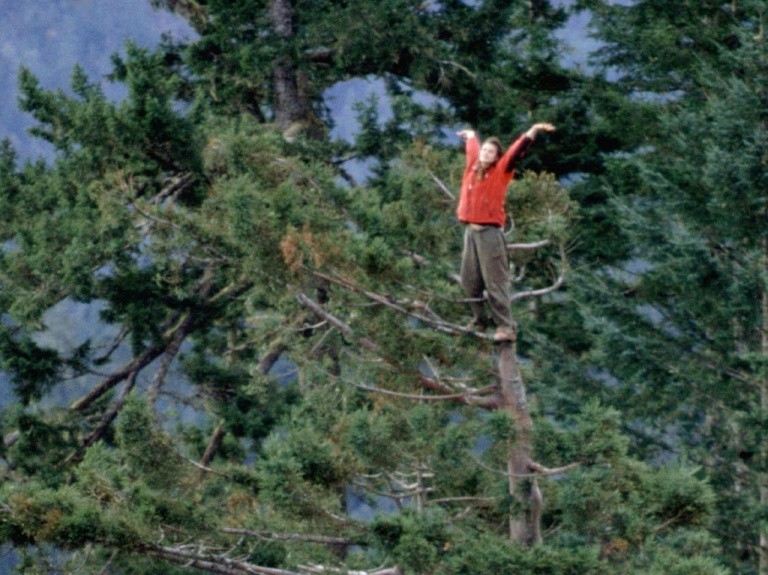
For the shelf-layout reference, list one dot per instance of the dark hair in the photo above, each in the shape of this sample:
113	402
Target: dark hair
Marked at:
493	140
496	142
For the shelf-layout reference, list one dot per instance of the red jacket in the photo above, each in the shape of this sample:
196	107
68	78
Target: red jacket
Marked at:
482	201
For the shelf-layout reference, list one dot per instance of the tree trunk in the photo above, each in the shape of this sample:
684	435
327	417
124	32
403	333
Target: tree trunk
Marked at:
290	105
762	477
525	529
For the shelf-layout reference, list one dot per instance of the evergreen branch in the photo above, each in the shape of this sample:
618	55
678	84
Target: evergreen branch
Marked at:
202	467
175	330
154	218
667	523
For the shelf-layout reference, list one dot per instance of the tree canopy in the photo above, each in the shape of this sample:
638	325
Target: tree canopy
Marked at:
279	379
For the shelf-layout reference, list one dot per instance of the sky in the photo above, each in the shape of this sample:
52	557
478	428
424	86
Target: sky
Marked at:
50	37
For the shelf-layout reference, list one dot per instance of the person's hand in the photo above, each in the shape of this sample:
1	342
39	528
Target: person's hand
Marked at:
466	134
540	127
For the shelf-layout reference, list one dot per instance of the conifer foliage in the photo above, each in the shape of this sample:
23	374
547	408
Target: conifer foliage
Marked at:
278	380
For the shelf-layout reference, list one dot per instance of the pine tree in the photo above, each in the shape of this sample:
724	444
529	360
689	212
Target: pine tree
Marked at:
681	321
343	417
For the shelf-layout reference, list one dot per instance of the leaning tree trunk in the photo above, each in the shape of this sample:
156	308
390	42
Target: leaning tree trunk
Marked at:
524	528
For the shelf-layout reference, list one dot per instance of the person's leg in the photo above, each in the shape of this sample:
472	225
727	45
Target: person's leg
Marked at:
494	264
472	278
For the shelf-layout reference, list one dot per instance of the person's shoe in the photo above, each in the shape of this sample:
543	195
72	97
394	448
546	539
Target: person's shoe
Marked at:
505	334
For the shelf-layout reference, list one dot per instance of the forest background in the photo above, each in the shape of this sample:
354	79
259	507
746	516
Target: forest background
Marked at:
232	326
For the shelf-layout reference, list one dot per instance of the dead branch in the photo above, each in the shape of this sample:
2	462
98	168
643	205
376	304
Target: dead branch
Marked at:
218	564
320	570
10	439
558	283
462	500
547	472
529	246
302	537
415	397
175	186
441	186
340	325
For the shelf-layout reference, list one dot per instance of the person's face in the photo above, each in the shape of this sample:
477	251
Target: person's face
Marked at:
489	153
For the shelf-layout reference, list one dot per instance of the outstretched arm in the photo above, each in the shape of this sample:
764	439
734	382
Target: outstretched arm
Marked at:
518	149
540	127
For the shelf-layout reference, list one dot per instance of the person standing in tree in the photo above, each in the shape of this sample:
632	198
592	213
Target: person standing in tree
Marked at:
484	262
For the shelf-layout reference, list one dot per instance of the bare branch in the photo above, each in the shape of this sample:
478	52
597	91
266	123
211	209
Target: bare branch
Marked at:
343	327
559	282
530	246
320	570
441	185
556	285
547	471
175	186
302	537
107	565
462	500
10	439
217	564
415	397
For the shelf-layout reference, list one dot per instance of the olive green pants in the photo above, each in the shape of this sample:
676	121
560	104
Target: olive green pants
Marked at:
485	267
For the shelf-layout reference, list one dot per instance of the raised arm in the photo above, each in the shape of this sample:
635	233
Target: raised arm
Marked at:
540	127
472	145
